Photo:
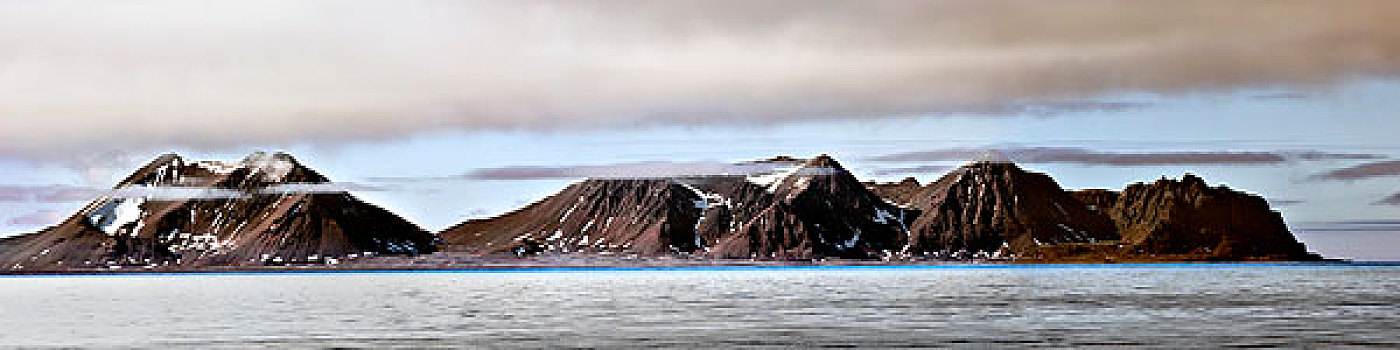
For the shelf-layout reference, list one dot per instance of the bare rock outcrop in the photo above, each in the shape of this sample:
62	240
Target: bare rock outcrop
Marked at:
1187	216
998	207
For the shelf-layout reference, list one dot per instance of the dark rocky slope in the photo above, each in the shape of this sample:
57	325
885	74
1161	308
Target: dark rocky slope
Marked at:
998	207
642	215
263	209
900	193
814	209
1187	216
820	209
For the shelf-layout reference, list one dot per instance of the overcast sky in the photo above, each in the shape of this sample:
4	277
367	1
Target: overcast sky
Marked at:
442	110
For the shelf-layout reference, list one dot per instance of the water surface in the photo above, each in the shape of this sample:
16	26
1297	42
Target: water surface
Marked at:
1071	306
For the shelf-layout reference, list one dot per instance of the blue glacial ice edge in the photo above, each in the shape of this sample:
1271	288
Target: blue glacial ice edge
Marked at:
608	269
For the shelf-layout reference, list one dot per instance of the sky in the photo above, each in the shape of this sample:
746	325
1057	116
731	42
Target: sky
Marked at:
448	110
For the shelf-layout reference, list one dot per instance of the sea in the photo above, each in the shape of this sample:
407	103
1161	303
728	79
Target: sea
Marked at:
1339	305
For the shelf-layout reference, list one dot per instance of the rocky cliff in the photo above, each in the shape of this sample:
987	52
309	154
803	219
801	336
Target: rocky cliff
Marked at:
998	207
1187	216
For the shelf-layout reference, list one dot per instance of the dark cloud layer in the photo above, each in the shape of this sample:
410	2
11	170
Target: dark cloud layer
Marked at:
1353	226
1363	171
68	194
1393	199
925	169
83	75
629	170
1286	202
1087	156
652	169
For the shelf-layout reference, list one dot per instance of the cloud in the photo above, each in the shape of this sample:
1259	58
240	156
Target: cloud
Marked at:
42	217
62	194
328	187
176	193
631	170
47	194
83	75
1393	199
923	169
1106	158
654	169
1363	171
1286	95
1353	226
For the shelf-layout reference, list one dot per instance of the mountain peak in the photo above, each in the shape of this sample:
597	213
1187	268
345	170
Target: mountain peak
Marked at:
992	164
275	167
910	181
822	161
999	168
1192	179
156	171
263	157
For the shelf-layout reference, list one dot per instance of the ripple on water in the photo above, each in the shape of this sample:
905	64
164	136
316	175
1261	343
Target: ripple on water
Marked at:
1062	307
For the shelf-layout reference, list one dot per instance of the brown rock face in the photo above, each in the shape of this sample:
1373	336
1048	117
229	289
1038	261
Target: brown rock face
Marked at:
900	193
246	213
818	209
1099	200
1189	217
647	216
983	206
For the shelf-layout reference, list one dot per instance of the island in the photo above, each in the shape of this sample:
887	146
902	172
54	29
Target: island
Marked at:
268	212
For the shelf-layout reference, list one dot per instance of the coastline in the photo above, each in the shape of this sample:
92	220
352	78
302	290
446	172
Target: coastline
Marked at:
707	265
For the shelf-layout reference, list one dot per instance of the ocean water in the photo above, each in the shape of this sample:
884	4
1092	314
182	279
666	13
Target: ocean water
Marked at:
1170	306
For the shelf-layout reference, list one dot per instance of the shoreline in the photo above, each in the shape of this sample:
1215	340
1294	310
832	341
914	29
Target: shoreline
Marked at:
744	265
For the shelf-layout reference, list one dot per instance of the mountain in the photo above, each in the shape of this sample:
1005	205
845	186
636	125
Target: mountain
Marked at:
999	207
270	209
818	209
814	208
900	193
1187	216
264	209
642	215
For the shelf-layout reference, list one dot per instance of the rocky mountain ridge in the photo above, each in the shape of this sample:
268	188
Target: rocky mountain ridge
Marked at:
816	208
985	209
268	209
263	209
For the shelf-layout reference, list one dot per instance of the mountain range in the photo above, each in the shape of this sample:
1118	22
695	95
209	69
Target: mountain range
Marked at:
256	211
268	209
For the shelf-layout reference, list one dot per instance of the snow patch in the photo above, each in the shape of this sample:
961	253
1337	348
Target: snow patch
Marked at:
116	213
770	180
216	167
707	199
883	217
854	239
272	167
